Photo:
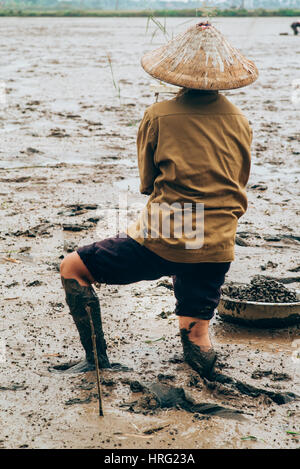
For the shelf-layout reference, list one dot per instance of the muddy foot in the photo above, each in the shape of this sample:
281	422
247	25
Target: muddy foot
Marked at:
82	366
202	360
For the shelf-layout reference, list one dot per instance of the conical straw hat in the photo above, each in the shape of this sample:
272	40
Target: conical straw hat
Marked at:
201	58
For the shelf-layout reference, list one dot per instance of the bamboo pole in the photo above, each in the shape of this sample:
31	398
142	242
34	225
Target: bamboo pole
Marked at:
93	335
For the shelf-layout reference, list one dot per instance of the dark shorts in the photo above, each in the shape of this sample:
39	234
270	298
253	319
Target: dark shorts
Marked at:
121	261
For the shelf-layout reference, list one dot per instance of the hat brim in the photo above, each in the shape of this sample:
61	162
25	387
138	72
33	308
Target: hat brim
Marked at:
200	59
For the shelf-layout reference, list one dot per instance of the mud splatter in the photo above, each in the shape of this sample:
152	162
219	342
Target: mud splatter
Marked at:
250	390
273	375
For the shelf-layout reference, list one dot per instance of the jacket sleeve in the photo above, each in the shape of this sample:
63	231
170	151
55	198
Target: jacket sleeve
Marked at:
146	146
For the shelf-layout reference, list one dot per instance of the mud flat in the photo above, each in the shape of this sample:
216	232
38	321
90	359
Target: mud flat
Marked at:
67	152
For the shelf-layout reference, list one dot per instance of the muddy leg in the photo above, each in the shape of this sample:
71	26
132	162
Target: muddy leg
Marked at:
78	297
80	294
197	348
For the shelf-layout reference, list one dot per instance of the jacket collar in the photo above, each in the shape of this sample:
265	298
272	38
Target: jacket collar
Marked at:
195	97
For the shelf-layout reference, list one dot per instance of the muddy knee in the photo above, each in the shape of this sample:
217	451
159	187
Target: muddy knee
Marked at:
73	267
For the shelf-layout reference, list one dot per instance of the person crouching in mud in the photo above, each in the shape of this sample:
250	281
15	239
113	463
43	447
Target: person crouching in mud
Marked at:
295	27
193	150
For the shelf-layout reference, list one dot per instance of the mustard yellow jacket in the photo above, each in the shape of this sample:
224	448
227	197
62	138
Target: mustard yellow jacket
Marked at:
193	149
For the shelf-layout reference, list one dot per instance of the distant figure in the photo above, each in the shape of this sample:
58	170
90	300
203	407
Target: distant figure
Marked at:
295	27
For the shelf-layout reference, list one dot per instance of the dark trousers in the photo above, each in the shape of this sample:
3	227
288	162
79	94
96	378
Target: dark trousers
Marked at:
121	261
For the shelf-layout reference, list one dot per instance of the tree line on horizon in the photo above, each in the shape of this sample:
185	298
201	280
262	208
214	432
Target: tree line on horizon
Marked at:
140	5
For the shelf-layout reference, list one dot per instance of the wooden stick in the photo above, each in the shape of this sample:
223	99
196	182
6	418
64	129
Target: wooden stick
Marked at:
93	335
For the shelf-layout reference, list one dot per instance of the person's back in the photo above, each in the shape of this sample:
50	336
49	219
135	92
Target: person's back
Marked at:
195	148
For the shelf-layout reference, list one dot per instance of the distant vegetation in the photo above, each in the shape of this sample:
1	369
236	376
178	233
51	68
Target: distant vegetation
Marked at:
144	13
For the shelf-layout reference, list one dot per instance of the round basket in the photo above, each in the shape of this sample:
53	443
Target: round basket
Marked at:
257	314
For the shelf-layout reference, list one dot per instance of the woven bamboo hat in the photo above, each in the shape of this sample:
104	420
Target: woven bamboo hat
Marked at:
201	58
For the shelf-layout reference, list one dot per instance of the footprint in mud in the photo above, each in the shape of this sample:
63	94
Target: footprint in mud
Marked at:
162	396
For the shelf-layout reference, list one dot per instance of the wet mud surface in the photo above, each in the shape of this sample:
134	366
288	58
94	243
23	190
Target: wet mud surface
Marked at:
67	152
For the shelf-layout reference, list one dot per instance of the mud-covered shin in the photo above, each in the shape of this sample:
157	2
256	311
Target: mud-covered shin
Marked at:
201	359
78	297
